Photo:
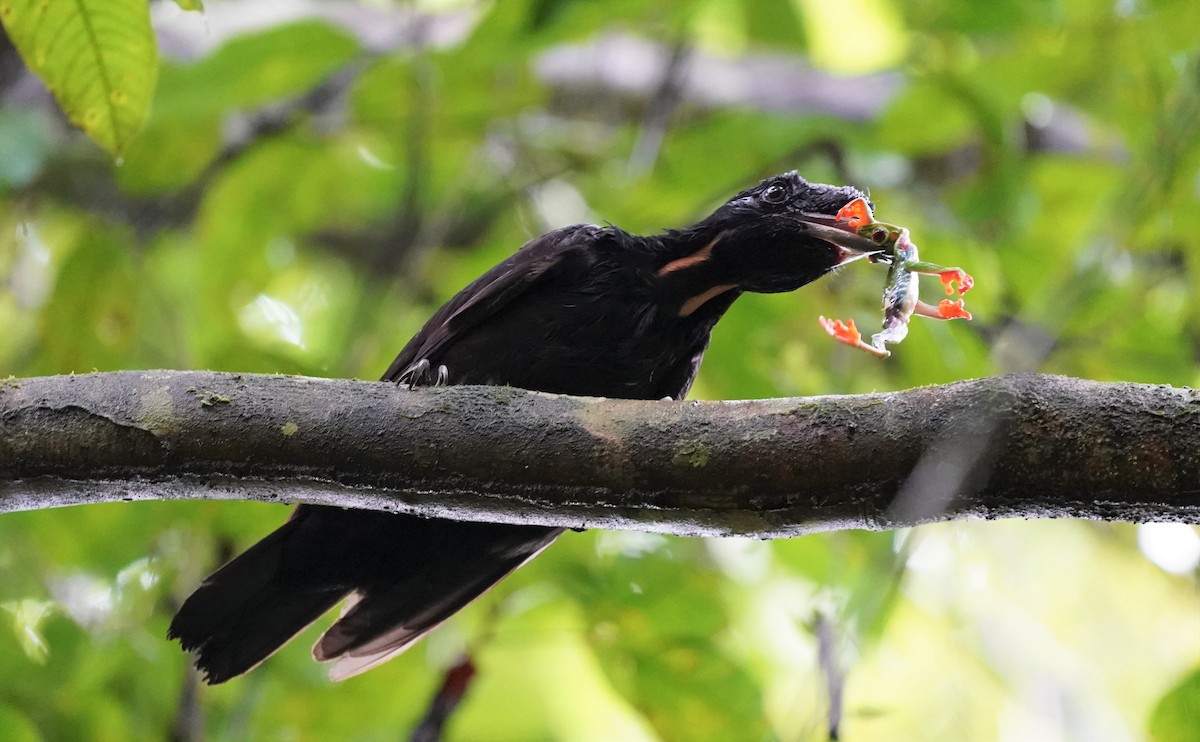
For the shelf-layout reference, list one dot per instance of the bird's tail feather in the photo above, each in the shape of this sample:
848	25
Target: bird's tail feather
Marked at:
244	612
407	575
384	623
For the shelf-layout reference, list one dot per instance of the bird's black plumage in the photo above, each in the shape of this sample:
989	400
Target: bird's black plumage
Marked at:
581	310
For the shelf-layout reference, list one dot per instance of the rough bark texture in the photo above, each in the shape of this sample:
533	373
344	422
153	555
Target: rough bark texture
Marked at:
1011	446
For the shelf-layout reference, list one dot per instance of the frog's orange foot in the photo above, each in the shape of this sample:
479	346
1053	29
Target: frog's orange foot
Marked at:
952	310
950	276
857	213
845	332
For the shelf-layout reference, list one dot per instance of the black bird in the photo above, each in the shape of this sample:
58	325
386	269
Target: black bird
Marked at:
582	310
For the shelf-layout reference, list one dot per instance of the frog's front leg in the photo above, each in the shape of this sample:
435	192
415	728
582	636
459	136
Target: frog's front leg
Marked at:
945	309
847	333
949	276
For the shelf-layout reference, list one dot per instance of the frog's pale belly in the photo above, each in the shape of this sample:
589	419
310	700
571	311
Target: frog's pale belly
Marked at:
899	301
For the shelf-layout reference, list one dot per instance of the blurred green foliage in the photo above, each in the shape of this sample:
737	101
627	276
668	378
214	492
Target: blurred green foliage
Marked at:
307	191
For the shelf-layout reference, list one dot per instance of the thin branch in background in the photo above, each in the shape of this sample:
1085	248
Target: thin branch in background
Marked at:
658	112
409	215
454	686
11	66
85	180
189	712
189	716
831	148
831	670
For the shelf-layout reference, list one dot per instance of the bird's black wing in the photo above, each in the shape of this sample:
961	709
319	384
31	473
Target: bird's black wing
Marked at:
488	294
407	573
677	382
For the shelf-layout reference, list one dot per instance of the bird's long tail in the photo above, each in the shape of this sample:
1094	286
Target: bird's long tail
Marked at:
406	574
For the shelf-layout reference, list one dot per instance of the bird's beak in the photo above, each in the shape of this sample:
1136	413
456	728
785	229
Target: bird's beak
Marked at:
850	244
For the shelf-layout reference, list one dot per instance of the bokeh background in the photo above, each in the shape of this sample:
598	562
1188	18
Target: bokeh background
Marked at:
316	177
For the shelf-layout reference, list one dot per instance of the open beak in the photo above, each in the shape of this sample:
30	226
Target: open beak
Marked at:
851	246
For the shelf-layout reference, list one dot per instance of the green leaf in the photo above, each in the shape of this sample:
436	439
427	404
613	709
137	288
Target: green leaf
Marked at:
97	57
253	70
197	5
1177	716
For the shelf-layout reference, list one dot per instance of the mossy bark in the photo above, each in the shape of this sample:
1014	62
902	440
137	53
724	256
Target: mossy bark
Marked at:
1010	446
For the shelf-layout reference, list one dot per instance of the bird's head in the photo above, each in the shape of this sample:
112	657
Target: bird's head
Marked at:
781	234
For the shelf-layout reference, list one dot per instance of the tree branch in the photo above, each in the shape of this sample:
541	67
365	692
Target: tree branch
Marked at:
1011	446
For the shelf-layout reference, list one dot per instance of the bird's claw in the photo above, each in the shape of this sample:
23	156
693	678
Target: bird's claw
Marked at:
415	374
419	374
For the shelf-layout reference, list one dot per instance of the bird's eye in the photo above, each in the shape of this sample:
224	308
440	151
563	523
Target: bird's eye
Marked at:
879	235
775	194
